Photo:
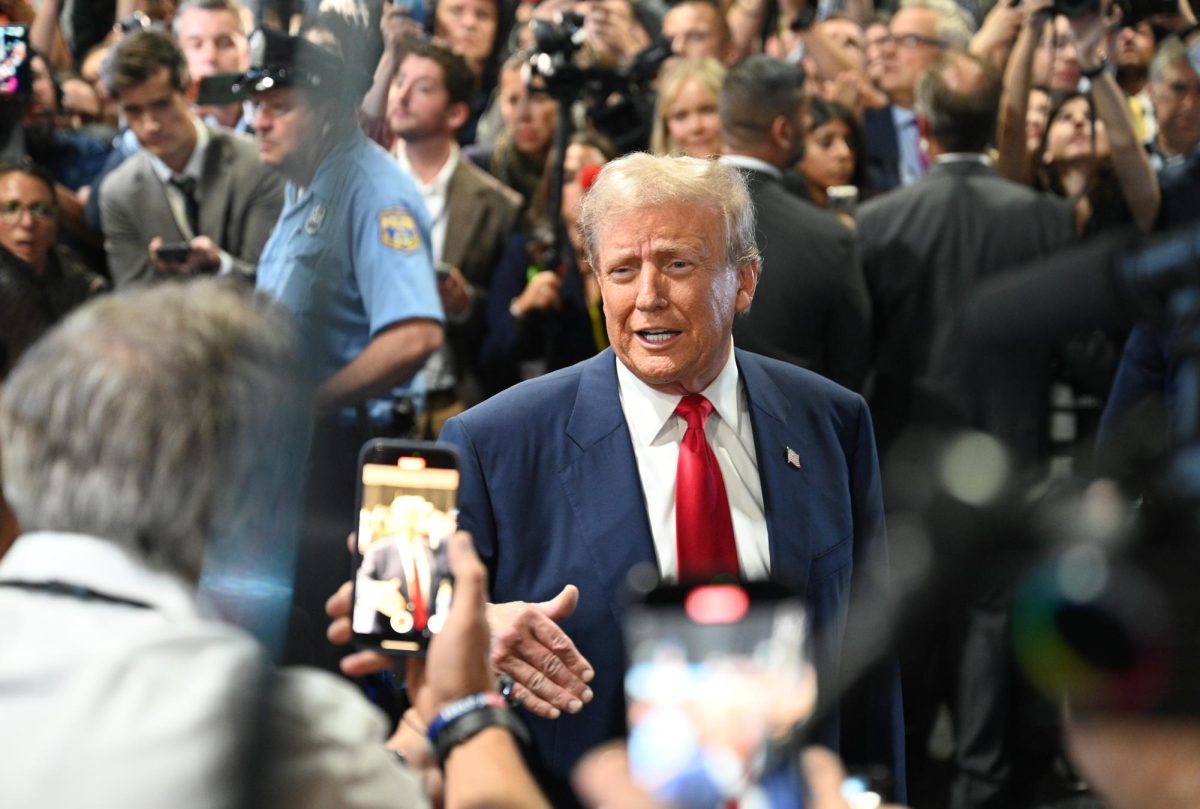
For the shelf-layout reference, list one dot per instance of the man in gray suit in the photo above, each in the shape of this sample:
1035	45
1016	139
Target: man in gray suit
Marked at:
428	100
189	182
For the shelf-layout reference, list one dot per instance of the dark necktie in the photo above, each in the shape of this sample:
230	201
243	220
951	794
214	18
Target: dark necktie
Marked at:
187	187
703	526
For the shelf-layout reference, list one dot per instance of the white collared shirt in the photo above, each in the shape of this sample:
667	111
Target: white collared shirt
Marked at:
194	169
657	433
436	195
742	161
112	706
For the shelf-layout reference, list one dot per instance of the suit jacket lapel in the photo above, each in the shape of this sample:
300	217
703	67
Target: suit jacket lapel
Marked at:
216	181
463	217
787	490
601	479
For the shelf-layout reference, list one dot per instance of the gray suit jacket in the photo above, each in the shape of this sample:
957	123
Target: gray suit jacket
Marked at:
482	218
239	197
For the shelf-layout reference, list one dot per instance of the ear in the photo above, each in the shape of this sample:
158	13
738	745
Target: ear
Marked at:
457	115
747	274
782	132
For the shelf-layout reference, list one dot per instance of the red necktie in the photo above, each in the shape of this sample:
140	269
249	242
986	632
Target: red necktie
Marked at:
418	598
703	527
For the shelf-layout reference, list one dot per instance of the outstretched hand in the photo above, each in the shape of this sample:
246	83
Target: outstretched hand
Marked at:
549	674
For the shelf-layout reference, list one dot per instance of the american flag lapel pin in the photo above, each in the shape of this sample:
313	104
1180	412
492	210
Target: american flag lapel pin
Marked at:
793	457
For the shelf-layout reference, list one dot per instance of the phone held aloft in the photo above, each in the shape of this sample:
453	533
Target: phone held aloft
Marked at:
407	512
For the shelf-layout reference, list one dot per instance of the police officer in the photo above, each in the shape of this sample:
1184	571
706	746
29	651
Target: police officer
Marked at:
350	253
350	259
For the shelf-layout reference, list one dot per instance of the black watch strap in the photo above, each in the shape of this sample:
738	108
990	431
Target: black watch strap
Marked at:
469	724
1100	67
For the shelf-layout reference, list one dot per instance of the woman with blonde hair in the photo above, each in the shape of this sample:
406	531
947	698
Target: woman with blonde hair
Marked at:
686	119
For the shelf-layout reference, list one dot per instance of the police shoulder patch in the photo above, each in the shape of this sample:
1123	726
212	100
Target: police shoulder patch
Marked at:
398	230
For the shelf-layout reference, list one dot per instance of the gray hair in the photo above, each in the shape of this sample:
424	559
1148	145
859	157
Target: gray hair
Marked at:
642	182
955	26
157	419
1171	50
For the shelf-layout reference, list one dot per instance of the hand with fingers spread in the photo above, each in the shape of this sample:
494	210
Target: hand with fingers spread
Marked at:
549	674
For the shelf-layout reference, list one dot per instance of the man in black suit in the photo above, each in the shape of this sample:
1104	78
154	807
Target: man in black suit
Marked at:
812	307
924	247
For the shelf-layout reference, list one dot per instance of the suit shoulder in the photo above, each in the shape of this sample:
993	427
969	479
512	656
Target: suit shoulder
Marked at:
472	173
120	178
532	402
802	385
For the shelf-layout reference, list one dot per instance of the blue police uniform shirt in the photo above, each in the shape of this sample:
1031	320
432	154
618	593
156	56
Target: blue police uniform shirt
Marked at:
350	256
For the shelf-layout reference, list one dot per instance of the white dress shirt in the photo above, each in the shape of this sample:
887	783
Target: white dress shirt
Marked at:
436	195
657	433
111	706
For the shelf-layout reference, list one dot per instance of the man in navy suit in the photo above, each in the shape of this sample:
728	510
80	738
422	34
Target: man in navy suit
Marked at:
568	480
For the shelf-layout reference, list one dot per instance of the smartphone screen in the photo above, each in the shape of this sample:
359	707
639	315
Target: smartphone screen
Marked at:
406	515
14	61
718	674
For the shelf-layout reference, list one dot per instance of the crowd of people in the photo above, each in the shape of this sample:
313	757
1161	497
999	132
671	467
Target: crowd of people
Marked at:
685	284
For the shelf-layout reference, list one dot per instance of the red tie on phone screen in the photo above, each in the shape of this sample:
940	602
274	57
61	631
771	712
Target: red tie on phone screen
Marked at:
703	527
418	598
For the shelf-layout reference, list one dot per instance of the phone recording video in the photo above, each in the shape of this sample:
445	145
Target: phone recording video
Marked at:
14	61
719	678
406	515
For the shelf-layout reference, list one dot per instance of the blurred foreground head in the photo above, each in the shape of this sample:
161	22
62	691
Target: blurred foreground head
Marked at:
152	419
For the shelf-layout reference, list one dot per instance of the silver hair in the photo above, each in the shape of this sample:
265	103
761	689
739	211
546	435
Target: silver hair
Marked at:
643	182
153	419
955	26
1171	50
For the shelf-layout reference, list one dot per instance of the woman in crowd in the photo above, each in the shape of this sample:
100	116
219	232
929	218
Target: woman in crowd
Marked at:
686	120
28	236
544	310
1090	151
475	30
530	115
832	151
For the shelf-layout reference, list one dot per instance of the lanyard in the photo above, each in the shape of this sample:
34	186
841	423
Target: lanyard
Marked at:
77	591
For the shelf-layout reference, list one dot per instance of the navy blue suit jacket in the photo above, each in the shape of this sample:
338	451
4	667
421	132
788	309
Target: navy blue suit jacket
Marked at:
551	493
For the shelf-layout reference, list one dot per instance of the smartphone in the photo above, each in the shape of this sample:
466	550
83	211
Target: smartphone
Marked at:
720	676
15	80
407	512
842	198
174	252
442	270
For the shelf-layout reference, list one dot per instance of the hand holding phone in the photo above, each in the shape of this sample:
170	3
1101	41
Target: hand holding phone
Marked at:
173	252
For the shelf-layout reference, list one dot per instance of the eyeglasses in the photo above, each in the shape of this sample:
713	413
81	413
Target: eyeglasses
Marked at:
911	41
11	211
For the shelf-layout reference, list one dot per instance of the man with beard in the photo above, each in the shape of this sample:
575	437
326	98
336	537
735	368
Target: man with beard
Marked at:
472	213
